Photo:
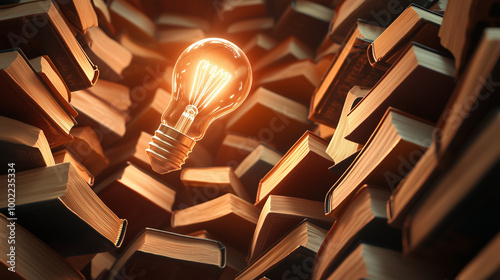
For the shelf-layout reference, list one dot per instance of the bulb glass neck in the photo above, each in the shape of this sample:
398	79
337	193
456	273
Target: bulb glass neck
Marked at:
186	119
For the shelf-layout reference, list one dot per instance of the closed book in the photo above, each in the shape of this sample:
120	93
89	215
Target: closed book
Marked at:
29	100
280	215
349	68
229	217
155	254
364	219
80	13
403	87
86	148
396	144
301	172
53	38
24	145
59	207
415	24
295	248
453	221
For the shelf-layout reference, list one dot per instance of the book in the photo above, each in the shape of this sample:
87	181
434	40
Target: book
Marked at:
173	20
243	30
107	122
288	50
65	156
216	180
436	229
29	100
340	148
258	46
396	144
101	264
109	55
86	148
380	13
234	148
365	262
59	207
53	38
143	52
255	166
296	80
415	24
324	131
298	246
473	97
157	253
228	12
484	265
279	215
270	118
173	42
235	259
24	144
301	172
302	16
147	118
461	37
229	217
402	88
363	220
26	257
134	195
80	13
469	103
349	68
103	17
49	74
114	94
125	16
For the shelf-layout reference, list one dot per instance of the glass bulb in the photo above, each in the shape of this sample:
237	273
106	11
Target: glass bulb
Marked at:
211	78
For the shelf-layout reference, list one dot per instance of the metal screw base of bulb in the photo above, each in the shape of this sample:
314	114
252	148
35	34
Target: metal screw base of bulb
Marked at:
168	149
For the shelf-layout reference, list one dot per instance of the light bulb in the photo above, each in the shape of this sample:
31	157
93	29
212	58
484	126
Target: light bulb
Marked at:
211	78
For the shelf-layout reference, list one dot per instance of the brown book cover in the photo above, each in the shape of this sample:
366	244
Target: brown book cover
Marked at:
53	39
348	69
302	172
59	207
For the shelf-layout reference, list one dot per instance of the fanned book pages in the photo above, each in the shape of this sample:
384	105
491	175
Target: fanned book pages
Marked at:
54	39
398	140
28	99
59	207
155	254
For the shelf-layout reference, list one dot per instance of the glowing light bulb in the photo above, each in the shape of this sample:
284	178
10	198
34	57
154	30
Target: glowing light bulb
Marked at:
211	78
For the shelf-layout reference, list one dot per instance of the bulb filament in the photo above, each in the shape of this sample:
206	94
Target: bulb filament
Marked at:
208	82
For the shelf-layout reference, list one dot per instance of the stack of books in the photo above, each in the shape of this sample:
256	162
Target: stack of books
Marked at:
365	149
